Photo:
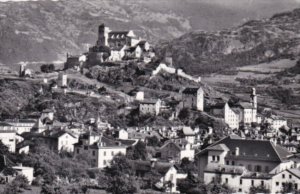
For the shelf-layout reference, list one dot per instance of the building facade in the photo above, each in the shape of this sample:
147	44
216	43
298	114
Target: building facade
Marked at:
193	98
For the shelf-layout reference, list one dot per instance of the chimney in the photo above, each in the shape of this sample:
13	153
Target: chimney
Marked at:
237	151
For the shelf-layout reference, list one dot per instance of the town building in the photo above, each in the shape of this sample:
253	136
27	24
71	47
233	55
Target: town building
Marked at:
193	98
234	115
100	148
62	79
169	173
56	139
177	149
150	106
9	170
21	125
245	163
5	126
72	62
235	151
8	138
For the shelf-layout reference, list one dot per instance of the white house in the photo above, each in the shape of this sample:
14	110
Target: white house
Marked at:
100	148
231	116
21	125
150	107
8	138
122	134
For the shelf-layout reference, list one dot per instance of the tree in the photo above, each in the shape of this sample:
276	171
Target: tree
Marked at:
187	165
259	189
153	141
137	152
17	185
184	114
120	176
216	188
47	68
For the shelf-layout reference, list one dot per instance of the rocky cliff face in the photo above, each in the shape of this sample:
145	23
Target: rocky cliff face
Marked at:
256	41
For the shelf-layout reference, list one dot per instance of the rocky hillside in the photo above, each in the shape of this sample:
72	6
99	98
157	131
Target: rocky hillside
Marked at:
44	30
256	41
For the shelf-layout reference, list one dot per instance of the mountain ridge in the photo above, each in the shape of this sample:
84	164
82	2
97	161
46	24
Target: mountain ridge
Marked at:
254	42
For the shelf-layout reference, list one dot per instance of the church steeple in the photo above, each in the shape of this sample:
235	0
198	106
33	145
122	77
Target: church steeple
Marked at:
253	98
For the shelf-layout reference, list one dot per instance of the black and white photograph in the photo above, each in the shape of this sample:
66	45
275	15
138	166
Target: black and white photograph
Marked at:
149	96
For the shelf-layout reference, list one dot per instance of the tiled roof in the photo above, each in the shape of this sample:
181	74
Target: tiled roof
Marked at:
246	105
4	124
295	172
149	101
120	33
7	131
218	147
190	90
20	121
188	131
105	142
252	149
146	166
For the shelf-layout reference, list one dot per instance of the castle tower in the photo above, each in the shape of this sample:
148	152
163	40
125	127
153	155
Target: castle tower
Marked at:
103	35
200	99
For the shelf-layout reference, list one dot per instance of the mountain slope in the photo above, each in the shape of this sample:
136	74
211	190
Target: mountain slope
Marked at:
256	41
44	30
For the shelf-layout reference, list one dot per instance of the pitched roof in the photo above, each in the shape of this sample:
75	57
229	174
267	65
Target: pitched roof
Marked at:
252	149
246	105
190	90
218	147
146	166
295	172
188	131
4	124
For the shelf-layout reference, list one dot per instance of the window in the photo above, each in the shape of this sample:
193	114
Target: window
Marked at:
11	140
258	168
296	186
86	147
232	163
218	158
290	176
262	183
240	190
252	182
226	180
104	153
277	183
227	162
104	162
241	181
112	153
94	152
267	169
213	158
78	151
283	176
